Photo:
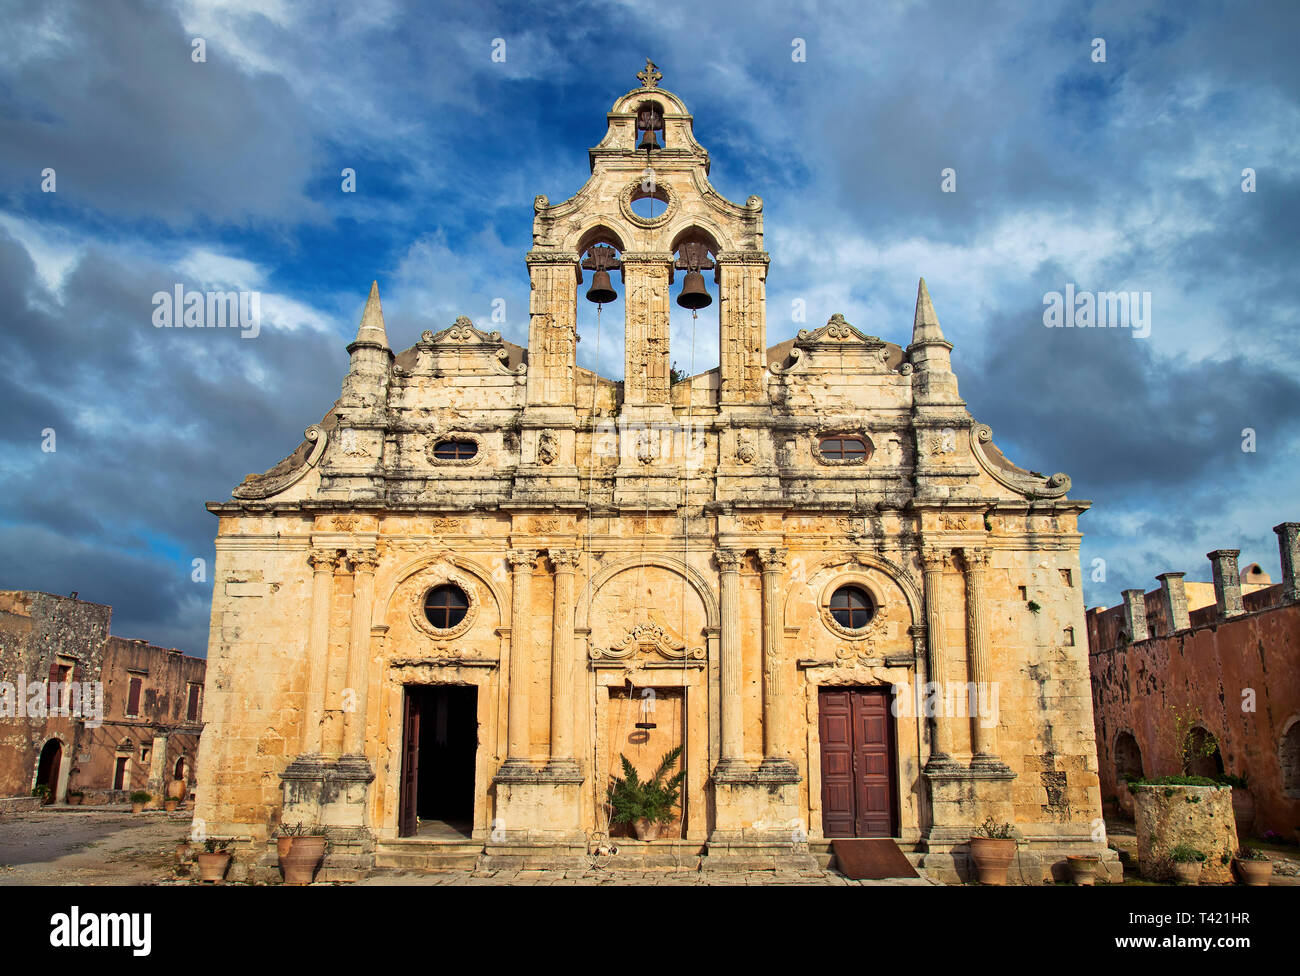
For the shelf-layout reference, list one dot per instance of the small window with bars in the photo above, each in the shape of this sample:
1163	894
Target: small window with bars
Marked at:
841	448
455	450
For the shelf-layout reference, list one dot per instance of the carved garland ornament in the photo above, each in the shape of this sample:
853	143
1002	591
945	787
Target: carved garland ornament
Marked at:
648	638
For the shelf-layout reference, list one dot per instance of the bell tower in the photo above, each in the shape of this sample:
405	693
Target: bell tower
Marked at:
691	241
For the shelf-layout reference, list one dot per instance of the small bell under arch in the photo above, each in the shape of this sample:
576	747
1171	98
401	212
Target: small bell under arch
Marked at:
692	257
601	260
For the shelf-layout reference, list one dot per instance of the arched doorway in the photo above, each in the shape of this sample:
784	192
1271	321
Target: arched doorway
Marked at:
1202	754
178	771
1128	765
48	766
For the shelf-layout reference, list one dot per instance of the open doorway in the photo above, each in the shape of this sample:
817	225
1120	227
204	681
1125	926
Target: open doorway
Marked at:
47	769
439	754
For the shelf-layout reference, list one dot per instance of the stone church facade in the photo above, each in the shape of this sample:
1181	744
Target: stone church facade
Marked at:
489	572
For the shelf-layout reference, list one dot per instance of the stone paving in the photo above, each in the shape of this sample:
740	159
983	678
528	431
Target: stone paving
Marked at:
599	876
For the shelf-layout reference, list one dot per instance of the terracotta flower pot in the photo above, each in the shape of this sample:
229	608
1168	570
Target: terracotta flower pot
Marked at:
299	865
282	846
646	829
1254	873
75	800
1243	812
1188	872
992	857
212	867
137	808
170	805
1083	868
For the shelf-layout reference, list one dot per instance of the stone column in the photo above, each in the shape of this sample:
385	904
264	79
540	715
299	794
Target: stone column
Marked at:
1227	582
776	752
646	366
934	561
1288	544
563	664
983	739
742	321
1174	593
518	745
552	328
363	562
1135	615
322	562
730	652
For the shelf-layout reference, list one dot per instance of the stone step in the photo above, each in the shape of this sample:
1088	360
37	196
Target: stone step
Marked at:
414	854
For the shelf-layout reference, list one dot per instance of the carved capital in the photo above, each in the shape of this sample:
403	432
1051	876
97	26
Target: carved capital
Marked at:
728	560
773	560
564	560
976	558
363	560
935	560
521	558
323	560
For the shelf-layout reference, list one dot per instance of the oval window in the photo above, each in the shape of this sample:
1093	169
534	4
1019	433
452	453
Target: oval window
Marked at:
843	448
851	607
445	606
452	450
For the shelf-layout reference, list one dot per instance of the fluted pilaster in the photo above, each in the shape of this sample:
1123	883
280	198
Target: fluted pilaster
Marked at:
323	563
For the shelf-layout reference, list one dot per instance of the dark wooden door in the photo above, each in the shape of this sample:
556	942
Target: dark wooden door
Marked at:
857	747
408	821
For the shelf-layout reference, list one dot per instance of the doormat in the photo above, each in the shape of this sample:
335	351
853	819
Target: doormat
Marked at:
871	859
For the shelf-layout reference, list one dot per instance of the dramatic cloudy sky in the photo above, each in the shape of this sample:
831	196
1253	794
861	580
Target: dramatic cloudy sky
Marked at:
1125	174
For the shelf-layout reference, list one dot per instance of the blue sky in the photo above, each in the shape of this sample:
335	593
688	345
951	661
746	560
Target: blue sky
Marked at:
1122	175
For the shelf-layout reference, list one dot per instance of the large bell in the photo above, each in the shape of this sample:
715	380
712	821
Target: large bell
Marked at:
602	291
648	140
694	295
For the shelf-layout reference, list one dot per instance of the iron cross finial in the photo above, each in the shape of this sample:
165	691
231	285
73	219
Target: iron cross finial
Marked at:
650	76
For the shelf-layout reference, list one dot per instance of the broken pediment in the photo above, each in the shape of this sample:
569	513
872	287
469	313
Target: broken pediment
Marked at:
648	644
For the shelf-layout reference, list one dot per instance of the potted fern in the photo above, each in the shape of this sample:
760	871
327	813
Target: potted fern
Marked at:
648	805
138	799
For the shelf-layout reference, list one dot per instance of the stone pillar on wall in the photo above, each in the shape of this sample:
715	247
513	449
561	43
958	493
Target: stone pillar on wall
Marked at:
323	563
157	785
552	328
1288	544
776	717
646	366
1174	594
983	727
742	321
934	561
730	652
1227	582
563	663
1135	615
364	562
518	744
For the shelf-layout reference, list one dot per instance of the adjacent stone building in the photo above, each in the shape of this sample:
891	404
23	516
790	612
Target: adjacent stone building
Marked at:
84	711
1222	659
488	572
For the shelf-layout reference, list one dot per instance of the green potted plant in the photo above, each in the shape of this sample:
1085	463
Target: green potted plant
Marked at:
213	860
138	799
170	804
648	805
1187	862
303	854
43	791
76	797
1253	867
992	848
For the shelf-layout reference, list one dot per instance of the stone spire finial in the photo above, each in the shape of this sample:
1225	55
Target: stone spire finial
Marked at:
925	325
371	332
650	77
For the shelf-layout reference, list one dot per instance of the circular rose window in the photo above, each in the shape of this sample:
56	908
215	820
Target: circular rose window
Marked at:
851	607
445	606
